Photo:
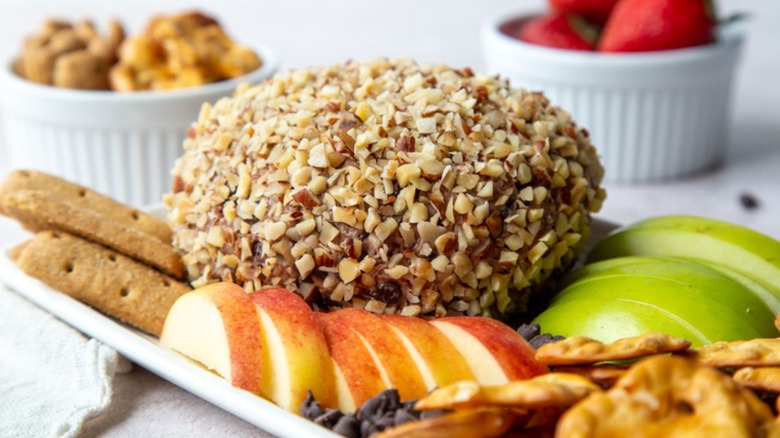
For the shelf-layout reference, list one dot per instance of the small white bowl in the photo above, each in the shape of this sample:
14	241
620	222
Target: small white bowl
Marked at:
652	116
120	144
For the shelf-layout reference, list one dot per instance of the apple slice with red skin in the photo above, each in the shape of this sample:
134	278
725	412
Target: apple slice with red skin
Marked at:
439	362
358	376
295	351
395	361
496	353
217	326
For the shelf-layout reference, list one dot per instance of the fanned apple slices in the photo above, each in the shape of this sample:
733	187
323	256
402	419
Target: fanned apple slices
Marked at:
270	343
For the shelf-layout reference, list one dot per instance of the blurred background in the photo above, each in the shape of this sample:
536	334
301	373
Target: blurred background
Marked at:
307	33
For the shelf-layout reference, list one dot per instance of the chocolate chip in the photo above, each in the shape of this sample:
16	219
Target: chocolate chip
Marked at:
431	414
528	331
348	426
543	339
377	414
749	201
403	416
367	428
387	292
371	407
329	418
386	421
311	408
408	405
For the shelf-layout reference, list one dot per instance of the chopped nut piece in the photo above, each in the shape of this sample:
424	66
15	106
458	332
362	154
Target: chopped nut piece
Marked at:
385	229
406	173
215	238
305	265
349	269
363	111
397	272
426	125
274	230
463	204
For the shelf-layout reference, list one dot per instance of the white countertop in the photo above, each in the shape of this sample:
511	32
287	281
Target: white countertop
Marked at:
312	33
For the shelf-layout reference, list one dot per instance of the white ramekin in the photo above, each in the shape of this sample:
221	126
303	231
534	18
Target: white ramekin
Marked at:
652	116
120	144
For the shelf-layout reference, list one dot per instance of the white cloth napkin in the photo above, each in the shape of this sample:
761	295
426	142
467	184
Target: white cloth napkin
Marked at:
52	377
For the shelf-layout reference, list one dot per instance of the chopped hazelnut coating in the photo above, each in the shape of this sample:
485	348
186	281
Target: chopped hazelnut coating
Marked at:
385	185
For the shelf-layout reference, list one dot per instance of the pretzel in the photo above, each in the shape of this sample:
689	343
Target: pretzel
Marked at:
668	396
81	69
603	375
483	421
180	51
583	350
70	56
759	379
737	354
552	389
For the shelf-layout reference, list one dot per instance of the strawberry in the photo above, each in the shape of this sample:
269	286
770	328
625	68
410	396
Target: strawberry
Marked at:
649	25
559	31
596	11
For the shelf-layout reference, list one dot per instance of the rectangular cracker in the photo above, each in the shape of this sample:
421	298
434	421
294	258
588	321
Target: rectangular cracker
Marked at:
102	278
38	211
80	196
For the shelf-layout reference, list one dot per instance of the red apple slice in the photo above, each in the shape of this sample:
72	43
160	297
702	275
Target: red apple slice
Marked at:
296	352
439	362
217	326
358	374
395	361
496	353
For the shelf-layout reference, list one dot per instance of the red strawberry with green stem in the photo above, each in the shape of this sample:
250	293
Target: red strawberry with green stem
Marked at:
650	25
596	11
559	31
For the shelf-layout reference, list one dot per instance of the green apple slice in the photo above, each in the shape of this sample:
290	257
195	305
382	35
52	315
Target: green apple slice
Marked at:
759	289
632	295
739	248
627	263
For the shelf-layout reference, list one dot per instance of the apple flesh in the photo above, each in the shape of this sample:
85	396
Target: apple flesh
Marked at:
217	326
439	362
358	376
396	365
295	351
629	296
495	353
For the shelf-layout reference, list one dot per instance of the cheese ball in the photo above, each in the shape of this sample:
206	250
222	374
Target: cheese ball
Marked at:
385	185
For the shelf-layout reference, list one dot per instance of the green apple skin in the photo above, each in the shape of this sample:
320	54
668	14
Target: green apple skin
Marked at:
633	295
771	300
739	248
